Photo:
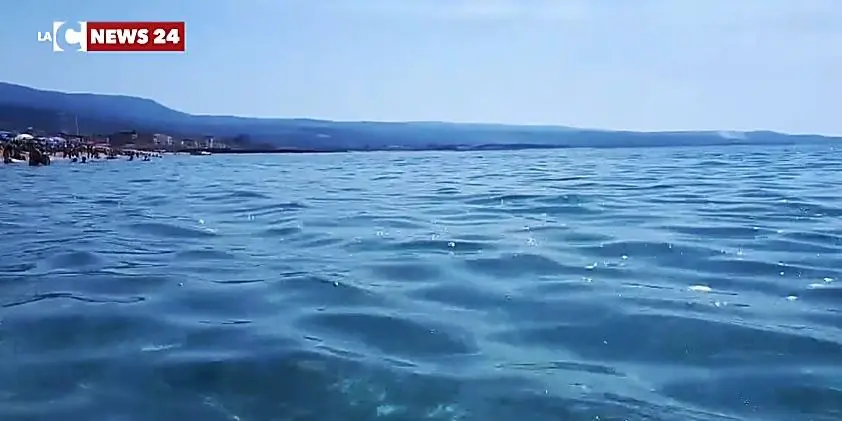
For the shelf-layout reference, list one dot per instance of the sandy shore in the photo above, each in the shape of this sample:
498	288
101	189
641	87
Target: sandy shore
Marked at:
102	158
55	159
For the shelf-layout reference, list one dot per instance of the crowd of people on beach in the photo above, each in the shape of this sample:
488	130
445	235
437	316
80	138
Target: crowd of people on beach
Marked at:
24	150
27	149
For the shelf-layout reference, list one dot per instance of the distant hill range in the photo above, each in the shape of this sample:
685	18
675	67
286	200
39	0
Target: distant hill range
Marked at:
22	107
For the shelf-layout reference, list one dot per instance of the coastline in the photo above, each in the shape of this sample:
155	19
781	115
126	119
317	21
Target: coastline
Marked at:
28	150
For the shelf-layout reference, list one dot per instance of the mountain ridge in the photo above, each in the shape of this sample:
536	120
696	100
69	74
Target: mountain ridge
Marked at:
25	106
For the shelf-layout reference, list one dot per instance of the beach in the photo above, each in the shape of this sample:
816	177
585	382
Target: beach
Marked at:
38	151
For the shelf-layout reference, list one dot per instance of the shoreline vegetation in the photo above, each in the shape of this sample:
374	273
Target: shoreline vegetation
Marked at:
36	148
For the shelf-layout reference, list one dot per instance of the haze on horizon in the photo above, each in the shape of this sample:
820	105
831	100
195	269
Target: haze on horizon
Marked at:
611	64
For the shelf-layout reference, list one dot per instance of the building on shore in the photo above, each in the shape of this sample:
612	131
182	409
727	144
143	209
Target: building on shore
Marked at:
122	138
162	140
188	143
145	139
140	140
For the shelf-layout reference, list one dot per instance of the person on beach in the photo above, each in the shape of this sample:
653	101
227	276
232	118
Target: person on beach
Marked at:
34	155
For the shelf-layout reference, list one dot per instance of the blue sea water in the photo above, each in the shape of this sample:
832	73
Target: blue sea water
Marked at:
622	284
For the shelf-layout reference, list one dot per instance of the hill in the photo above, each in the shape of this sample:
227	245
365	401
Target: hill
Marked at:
22	107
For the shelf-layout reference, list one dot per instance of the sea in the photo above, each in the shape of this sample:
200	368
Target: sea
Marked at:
551	285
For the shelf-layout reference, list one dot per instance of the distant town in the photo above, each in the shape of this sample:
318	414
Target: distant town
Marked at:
128	139
37	147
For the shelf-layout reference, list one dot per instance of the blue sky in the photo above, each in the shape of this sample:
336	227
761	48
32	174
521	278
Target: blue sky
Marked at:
618	64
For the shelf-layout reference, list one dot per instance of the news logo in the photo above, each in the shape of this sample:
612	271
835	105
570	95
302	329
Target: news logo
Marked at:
62	35
116	36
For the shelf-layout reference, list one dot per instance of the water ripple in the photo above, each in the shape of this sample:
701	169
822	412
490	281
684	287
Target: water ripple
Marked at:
659	284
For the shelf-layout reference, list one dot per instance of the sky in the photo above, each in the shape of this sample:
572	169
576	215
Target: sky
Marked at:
610	64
